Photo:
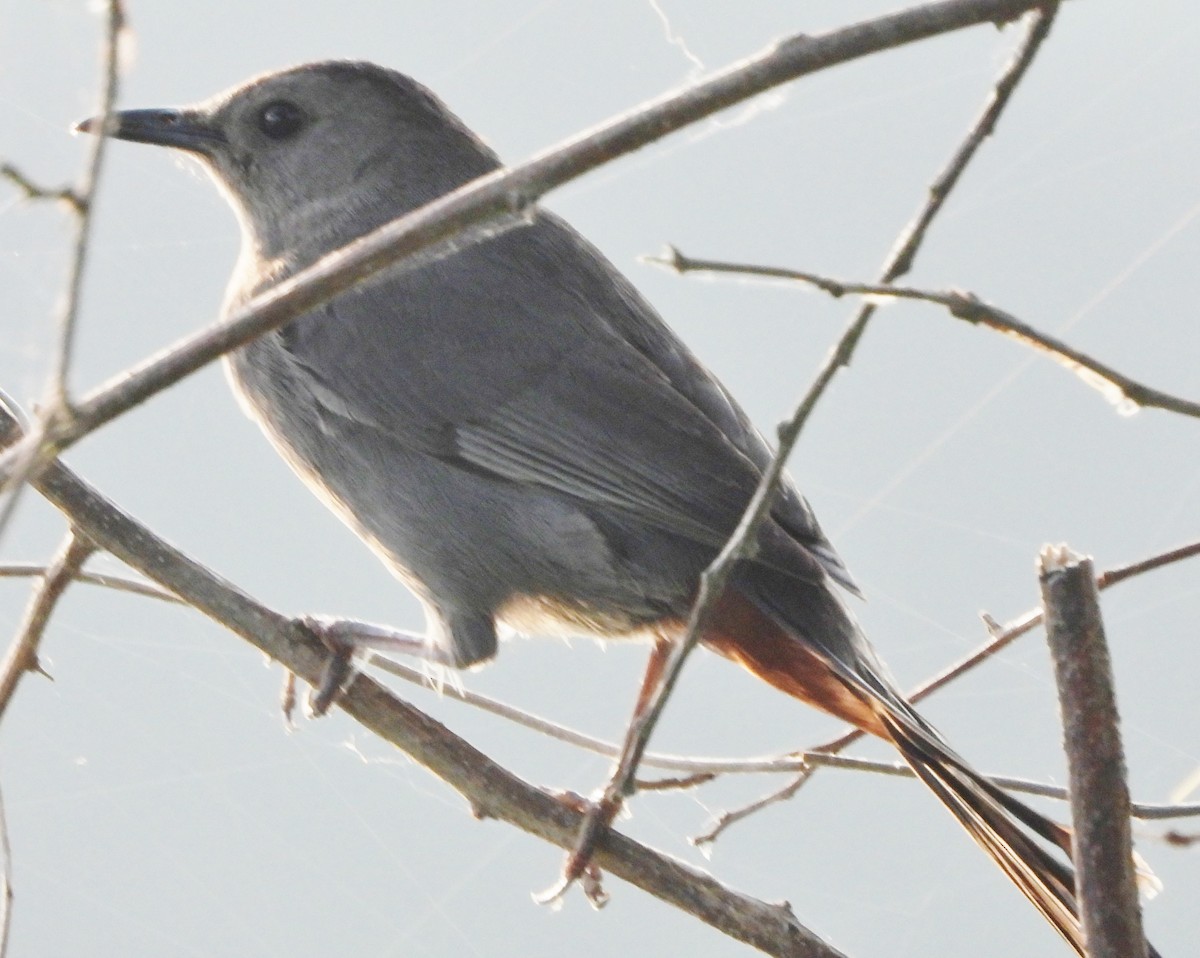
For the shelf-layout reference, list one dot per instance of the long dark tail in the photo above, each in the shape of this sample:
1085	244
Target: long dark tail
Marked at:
994	820
1033	851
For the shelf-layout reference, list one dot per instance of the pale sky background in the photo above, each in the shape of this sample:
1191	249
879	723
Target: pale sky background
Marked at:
156	806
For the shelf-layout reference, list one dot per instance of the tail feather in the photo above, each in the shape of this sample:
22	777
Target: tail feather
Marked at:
909	722
805	643
1047	882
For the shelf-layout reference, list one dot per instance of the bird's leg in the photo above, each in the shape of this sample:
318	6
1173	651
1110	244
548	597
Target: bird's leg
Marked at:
345	637
599	814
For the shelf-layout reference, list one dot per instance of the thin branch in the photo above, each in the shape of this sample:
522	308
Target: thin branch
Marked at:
1121	390
57	396
712	583
741	545
1001	638
1102	844
904	251
909	242
731	817
22	570
56	417
1149	812
1181	839
32	190
491	790
497	200
693	767
22	657
1111	577
713	766
674	784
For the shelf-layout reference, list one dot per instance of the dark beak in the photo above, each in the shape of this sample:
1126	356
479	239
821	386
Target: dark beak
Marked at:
181	129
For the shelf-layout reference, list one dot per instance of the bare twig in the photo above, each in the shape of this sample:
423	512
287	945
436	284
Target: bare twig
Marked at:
115	582
708	767
731	817
476	209
1119	389
1105	880
1111	577
56	417
676	783
741	544
22	653
1181	839
1001	638
712	583
490	789
899	261
32	190
57	395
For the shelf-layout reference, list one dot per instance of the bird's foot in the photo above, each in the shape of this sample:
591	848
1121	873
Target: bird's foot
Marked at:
579	867
344	638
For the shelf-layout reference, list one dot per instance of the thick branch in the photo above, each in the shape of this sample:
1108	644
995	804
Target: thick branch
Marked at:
1105	881
491	790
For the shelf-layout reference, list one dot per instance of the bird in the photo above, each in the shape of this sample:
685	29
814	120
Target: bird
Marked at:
519	436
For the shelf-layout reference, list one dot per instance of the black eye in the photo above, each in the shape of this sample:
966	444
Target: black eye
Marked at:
280	119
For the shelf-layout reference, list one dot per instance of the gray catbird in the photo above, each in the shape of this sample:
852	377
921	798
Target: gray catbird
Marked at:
520	437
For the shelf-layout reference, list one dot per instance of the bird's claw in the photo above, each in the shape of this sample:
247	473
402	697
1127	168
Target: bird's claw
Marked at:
579	866
337	668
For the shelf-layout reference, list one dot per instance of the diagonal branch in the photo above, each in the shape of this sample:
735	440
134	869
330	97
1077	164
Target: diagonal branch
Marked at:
899	261
22	655
1001	637
498	200
741	544
32	190
491	790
